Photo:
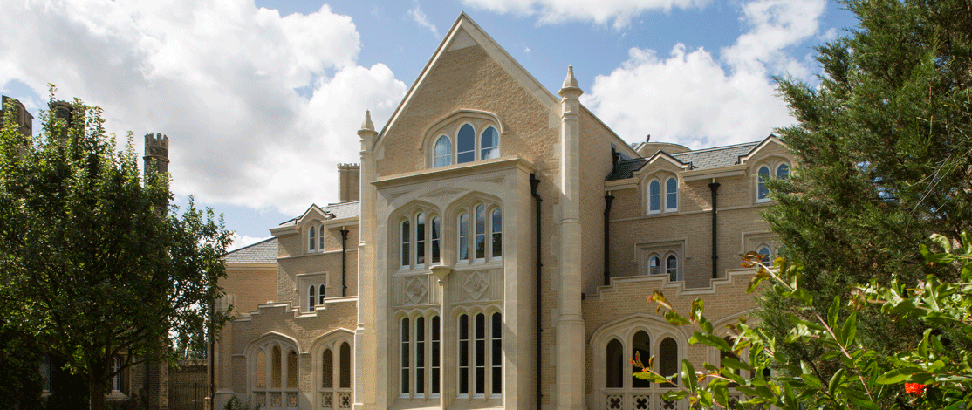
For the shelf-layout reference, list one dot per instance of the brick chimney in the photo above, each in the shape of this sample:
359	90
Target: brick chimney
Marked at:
348	182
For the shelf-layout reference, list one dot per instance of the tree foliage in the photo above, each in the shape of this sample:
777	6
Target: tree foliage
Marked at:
97	265
884	146
931	375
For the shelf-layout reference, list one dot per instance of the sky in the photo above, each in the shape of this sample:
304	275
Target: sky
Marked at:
261	100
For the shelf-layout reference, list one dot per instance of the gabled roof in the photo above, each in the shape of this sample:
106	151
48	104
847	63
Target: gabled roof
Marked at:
333	211
261	252
463	31
707	158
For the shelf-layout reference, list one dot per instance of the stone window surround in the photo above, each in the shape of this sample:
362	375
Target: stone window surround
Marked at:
662	249
772	164
467	207
304	281
661	177
450	126
412	315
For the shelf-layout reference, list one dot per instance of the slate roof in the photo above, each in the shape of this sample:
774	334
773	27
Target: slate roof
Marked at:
716	157
260	252
340	211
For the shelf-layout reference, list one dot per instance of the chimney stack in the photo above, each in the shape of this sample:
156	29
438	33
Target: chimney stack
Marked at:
23	119
348	181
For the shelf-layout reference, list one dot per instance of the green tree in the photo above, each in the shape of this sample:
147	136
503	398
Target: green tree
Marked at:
884	146
95	264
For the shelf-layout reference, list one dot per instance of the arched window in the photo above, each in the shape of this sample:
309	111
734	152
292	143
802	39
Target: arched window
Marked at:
420	356
671	267
762	190
669	358
311	298
405	239
311	239
466	144
654	265
615	364
436	240
327	369
292	369
276	367
320	238
654	197
116	380
260	371
497	227
765	253
320	294
480	232
344	365
420	240
497	350
489	144
783	171
443	152
463	237
464	355
436	356
671	195
405	358
642	347
480	354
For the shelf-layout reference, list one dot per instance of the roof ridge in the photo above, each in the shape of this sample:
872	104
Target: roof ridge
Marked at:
710	149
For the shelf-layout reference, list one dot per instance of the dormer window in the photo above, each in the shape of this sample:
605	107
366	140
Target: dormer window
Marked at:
764	174
671	195
654	197
311	239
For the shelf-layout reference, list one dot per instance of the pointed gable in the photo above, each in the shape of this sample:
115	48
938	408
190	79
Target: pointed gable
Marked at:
469	71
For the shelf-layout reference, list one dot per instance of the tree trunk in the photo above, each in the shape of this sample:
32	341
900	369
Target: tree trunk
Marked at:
96	393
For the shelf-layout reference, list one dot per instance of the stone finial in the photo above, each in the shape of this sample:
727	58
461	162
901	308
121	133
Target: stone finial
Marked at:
367	124
570	81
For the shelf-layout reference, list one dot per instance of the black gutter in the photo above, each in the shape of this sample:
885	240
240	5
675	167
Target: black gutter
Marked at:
608	201
534	183
344	258
714	187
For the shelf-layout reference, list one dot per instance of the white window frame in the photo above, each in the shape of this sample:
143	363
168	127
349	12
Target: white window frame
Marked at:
668	194
479	123
493	232
660	197
311	239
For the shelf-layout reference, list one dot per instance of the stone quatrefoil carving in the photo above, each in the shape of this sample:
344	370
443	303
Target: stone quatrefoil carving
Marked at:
415	290
476	285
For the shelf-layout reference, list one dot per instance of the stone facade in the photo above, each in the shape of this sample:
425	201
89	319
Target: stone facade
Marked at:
424	287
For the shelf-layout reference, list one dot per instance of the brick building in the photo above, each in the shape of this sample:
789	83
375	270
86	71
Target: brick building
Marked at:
494	248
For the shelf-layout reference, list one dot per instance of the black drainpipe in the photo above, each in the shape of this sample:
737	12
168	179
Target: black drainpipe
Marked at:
534	183
344	258
714	187
608	200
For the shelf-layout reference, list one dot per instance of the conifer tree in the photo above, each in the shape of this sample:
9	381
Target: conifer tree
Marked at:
884	146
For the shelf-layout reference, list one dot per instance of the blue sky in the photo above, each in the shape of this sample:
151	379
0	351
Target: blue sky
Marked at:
261	100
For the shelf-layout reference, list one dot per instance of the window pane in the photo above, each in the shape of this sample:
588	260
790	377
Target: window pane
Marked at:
463	354
275	357
320	294
436	355
292	370
480	354
642	347
765	252
405	239
420	355
669	357
466	144
320	238
489	144
436	240
614	362
497	226
480	232
671	193
311	298
311	236
654	265
420	239
464	237
345	366
404	356
783	171
671	266
261	370
443	152
497	348
654	196
327	369
764	175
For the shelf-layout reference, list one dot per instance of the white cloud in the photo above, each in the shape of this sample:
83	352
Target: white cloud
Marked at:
696	99
220	78
421	19
617	12
242	241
